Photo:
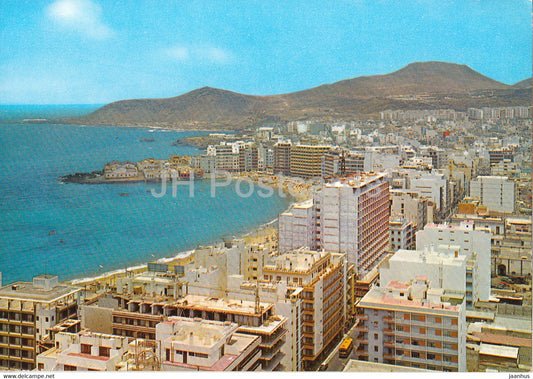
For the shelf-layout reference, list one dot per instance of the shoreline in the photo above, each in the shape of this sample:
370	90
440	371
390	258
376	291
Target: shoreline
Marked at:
113	274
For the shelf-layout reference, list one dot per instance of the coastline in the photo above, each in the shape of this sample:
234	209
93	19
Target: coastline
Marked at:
265	229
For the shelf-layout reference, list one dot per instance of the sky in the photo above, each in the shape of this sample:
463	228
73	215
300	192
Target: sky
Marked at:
98	51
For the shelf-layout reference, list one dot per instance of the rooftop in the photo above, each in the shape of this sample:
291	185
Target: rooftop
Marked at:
28	291
379	298
301	260
498	351
244	307
356	181
362	366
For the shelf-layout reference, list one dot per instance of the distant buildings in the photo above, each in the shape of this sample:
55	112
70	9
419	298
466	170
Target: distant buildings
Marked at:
497	193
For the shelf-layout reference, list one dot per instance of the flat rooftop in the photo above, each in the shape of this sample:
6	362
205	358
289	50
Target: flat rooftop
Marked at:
435	257
356	181
27	291
498	351
362	366
245	307
297	261
378	298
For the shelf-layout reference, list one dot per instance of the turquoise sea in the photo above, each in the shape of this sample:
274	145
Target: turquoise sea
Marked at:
79	230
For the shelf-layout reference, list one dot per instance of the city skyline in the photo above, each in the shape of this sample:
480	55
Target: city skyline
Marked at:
89	51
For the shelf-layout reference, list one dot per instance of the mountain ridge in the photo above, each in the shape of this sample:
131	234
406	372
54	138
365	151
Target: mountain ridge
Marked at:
419	85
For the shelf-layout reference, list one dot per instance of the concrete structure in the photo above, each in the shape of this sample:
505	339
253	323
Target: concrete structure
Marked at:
282	158
354	219
495	192
402	235
306	160
204	345
137	317
410	324
409	205
474	244
298	227
320	279
439	157
84	351
28	311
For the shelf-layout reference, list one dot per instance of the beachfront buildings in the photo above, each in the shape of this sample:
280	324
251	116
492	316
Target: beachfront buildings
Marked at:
352	217
306	160
497	193
413	324
282	158
186	344
28	312
298	227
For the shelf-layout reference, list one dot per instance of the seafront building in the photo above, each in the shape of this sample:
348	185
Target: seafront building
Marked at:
306	160
28	313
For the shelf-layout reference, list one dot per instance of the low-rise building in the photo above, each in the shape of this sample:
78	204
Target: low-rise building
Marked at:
186	344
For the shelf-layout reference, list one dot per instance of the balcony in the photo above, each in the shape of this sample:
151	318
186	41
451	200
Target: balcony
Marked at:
390	344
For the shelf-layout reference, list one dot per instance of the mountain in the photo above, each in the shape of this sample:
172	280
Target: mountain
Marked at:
421	85
526	83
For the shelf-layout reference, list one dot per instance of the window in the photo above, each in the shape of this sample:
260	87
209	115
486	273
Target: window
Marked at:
431	356
376	348
85	348
69	368
415	354
375	336
46	319
103	351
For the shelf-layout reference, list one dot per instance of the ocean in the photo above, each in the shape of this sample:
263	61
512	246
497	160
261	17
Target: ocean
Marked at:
79	230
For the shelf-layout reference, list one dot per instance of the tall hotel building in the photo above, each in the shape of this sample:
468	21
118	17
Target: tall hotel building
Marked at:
351	216
306	160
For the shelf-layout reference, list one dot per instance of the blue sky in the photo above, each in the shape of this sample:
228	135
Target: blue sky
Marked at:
97	51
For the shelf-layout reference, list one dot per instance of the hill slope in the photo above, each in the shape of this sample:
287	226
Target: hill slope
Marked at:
422	85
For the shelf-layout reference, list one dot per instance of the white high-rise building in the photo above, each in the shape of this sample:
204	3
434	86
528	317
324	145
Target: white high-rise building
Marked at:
297	227
349	216
495	192
354	218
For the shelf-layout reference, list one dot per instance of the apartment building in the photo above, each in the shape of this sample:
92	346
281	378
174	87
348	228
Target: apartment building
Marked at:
28	311
439	157
298	227
495	192
306	160
409	205
282	158
338	162
186	344
321	279
84	351
353	218
414	325
137	316
402	235
474	244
